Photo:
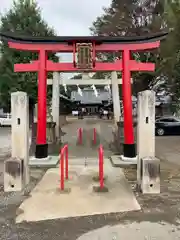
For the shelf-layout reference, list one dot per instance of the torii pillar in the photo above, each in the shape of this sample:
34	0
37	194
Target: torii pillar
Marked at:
129	145
56	102
115	97
42	146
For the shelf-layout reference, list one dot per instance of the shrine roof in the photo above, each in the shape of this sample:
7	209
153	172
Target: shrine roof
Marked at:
9	36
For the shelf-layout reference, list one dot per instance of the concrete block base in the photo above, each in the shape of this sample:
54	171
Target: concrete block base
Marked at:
65	191
150	175
128	159
98	189
13	175
50	161
117	161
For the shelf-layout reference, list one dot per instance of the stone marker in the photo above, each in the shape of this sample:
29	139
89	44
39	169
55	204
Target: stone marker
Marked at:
16	169
145	127
146	139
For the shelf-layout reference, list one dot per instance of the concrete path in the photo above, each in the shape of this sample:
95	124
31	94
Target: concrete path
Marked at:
86	202
104	137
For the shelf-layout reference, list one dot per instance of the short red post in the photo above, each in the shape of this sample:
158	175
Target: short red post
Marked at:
80	135
67	167
101	167
94	135
62	169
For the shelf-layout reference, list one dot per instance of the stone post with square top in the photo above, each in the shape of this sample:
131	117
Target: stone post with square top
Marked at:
16	171
147	165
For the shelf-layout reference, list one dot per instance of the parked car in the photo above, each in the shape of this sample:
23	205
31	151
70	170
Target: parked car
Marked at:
5	119
167	126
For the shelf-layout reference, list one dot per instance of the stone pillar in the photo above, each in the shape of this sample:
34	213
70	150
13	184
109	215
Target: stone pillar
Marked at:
35	113
56	102
145	128
16	174
115	97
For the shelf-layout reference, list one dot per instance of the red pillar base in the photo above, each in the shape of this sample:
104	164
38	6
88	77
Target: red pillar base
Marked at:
41	151
129	150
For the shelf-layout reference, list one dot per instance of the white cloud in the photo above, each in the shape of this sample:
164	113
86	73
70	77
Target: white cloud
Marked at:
67	17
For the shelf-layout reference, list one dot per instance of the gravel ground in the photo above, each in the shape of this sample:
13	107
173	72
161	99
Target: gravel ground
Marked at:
143	230
159	217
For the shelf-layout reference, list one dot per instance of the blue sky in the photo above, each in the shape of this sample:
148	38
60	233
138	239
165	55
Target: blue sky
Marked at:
67	17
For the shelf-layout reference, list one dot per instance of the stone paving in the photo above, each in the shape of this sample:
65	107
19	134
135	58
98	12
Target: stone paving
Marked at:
159	217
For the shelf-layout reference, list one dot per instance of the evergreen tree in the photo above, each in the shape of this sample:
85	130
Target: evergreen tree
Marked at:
132	18
24	18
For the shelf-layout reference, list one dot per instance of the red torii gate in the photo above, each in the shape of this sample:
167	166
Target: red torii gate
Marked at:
75	45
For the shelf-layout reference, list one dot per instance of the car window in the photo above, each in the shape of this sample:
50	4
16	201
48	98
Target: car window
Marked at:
174	120
164	120
167	120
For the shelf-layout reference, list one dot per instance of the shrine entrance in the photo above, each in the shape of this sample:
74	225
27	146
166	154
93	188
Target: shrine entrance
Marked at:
89	93
84	51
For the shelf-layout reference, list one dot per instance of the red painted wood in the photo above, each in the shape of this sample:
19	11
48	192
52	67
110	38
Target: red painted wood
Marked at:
42	95
69	67
127	98
131	47
27	67
42	66
69	48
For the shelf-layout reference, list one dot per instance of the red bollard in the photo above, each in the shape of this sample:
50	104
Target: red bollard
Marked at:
67	164
80	135
101	188
94	135
101	167
64	150
62	170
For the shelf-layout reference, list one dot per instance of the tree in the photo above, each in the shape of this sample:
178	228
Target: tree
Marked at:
169	63
24	18
132	18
